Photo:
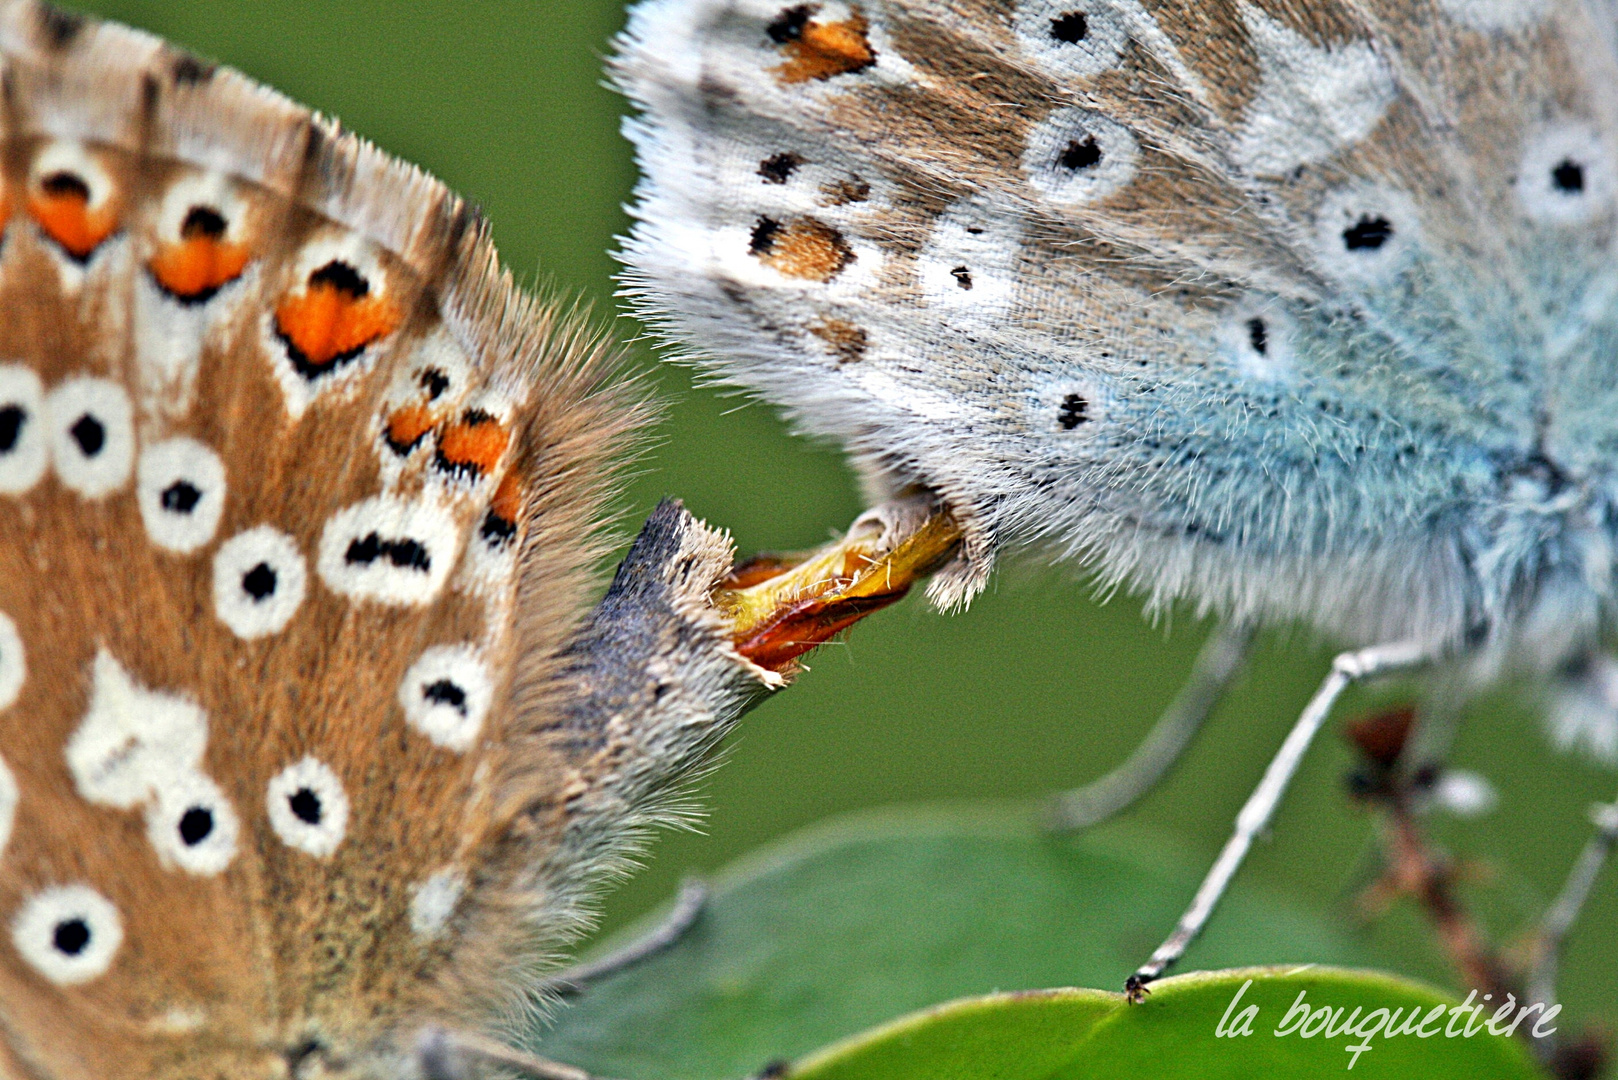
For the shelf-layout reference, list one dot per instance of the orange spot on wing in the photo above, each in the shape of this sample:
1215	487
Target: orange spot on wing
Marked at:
816	50
408	426
474	446
801	248
847	341
500	523
62	211
507	502
198	266
331	323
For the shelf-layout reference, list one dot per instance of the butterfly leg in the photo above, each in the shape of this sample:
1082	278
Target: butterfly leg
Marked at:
1217	665
443	1054
688	905
1570	903
1346	669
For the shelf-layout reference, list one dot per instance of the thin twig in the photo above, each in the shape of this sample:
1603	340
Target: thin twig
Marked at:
1418	872
1415	870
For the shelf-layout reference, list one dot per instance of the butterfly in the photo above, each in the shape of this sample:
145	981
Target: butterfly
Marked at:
1297	312
312	749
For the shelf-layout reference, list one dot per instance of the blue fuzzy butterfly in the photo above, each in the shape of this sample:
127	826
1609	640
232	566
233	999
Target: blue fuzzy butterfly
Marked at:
1299	311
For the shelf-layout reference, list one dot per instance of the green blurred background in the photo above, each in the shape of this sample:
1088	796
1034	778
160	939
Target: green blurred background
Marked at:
1039	686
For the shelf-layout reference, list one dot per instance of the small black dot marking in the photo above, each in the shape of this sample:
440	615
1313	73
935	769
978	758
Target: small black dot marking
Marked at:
445	692
762	241
260	582
71	937
778	168
962	276
296	1056
60	184
975	230
1080	154
1368	233
1568	176
195	825
1258	335
12	418
203	221
496	530
342	277
1070	28
60	27
433	381
305	805
405	554
180	497
788	25
90	434
190	71
1075	411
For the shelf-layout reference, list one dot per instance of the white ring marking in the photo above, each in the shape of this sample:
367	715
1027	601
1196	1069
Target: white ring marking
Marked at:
259	579
187	805
394	551
92	435
1075	156
180	488
68	933
446	695
308	809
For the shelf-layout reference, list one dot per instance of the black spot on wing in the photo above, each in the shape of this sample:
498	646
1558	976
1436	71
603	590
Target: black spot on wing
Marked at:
59	28
789	23
778	168
188	70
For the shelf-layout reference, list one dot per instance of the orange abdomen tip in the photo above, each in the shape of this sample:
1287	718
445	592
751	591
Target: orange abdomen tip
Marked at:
62	211
202	262
778	609
333	320
474	446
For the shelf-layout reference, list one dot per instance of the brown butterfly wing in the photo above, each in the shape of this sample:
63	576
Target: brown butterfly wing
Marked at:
299	499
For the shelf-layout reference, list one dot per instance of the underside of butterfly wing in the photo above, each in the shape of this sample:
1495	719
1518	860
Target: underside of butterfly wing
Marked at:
1300	310
300	746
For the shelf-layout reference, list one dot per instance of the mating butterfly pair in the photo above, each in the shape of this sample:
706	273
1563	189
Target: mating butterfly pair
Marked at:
1294	309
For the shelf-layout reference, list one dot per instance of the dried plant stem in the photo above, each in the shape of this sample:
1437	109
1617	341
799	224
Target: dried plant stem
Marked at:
1416	871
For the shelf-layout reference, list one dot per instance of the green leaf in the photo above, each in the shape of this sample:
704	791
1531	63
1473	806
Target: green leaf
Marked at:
861	920
1230	1025
1027	1035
